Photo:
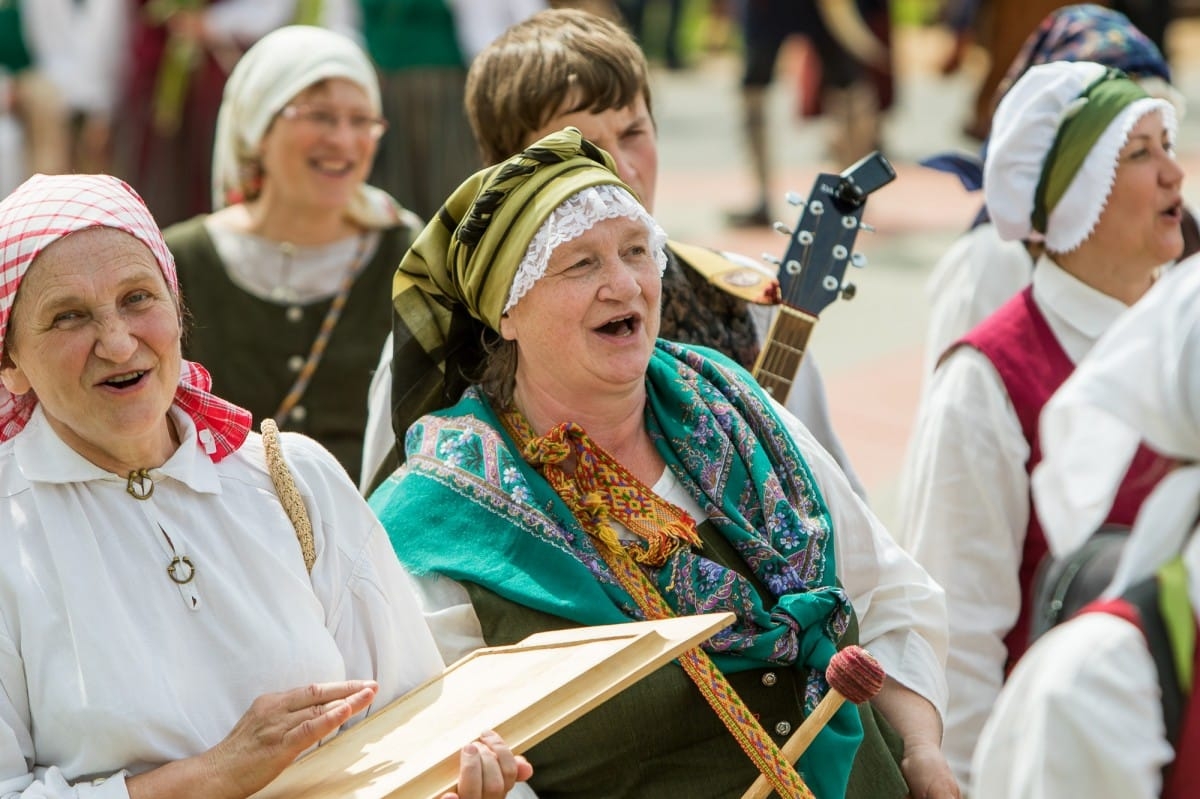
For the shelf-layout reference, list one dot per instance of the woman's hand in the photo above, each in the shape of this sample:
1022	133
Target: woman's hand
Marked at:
924	766
265	741
278	727
487	769
927	773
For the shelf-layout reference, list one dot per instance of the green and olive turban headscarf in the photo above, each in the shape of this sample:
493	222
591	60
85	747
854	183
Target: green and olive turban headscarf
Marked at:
469	254
454	283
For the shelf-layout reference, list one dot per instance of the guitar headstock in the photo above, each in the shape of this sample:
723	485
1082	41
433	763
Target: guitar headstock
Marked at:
820	245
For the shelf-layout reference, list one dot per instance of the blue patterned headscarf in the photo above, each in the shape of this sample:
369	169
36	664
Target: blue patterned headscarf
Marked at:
1089	33
1085	32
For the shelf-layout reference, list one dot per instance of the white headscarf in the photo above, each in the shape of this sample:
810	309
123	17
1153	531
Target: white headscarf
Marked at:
1141	382
1024	130
270	75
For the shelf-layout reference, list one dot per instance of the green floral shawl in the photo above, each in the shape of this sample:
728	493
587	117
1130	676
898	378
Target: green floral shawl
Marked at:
467	506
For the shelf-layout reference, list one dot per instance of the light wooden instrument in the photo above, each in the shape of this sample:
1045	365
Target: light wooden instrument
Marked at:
525	692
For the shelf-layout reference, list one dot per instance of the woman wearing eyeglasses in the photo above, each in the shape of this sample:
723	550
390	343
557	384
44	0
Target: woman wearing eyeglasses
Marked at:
283	281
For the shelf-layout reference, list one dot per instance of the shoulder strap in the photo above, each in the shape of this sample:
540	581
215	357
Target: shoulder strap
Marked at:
325	331
289	494
1168	624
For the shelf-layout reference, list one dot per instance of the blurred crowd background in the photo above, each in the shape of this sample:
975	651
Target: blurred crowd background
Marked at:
753	98
132	87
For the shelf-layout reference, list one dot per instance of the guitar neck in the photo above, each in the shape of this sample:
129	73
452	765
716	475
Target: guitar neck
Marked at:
776	367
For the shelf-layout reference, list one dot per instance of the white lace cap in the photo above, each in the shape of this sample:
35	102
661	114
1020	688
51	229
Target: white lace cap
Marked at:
570	220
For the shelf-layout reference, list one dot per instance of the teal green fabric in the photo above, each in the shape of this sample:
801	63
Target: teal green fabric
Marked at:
403	34
467	507
14	56
1099	105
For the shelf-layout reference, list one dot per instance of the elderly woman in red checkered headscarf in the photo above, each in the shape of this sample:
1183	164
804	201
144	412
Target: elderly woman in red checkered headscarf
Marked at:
159	632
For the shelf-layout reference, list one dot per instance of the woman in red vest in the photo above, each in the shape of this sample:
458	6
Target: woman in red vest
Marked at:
1082	161
1082	714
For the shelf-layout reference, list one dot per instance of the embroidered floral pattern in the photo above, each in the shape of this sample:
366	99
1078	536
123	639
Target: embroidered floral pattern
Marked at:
730	452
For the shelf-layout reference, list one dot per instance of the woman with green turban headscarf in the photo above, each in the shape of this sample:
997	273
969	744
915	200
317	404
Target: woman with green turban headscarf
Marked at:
595	474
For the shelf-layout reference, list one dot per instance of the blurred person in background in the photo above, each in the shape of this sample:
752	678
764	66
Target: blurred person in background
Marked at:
1101	189
180	54
669	44
851	89
80	46
422	49
284	281
981	271
1000	28
35	115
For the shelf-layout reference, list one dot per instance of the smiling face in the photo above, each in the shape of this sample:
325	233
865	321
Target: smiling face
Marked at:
94	332
319	150
1140	223
626	133
587	327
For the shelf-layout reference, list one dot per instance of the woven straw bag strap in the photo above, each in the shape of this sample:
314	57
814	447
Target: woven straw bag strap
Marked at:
289	495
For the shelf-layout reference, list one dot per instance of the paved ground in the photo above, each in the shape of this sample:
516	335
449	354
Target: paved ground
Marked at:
869	350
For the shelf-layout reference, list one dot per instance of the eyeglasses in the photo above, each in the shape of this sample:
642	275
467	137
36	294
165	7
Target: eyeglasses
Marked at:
327	121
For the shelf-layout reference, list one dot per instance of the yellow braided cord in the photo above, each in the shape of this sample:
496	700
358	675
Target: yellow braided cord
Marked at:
289	493
713	685
324	333
597	489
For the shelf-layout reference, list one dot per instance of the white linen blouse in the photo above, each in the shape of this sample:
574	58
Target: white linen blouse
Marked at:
108	668
965	503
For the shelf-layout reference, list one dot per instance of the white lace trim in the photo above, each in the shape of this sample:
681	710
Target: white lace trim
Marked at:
574	217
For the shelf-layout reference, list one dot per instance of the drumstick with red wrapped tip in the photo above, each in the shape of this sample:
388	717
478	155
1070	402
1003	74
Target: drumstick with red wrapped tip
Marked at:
852	675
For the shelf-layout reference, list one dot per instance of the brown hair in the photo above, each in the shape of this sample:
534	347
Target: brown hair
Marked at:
529	74
498	374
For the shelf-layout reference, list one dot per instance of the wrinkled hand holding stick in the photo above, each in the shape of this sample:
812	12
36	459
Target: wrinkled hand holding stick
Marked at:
852	675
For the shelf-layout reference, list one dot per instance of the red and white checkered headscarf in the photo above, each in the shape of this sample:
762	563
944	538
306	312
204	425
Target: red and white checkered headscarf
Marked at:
46	208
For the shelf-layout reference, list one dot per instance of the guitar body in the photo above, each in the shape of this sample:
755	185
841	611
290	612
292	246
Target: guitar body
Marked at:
813	267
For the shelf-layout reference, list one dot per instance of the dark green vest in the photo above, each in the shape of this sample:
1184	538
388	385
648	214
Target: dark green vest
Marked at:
658	739
14	56
251	345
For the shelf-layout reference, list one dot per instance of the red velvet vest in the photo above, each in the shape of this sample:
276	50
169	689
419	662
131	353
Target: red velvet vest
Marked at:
1182	779
1032	364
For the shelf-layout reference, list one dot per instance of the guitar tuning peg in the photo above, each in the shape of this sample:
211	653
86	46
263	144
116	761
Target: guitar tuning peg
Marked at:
771	259
848	291
779	227
858	259
866	227
794	199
